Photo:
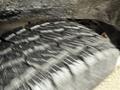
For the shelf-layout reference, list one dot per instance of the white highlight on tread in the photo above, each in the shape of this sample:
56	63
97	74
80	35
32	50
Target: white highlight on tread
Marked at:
21	31
45	24
58	22
50	31
83	27
58	38
39	48
26	52
77	27
46	45
85	34
35	27
36	48
33	38
10	36
23	40
5	51
59	30
28	39
46	31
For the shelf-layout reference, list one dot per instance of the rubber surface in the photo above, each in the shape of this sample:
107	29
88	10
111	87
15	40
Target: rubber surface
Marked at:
59	55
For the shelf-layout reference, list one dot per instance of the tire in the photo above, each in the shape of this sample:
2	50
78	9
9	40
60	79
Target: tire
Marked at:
111	31
59	55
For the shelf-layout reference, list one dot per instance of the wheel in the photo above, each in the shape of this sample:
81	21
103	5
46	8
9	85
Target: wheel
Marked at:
60	55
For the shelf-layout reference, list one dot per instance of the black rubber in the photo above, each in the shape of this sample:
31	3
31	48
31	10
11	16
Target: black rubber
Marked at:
59	55
112	31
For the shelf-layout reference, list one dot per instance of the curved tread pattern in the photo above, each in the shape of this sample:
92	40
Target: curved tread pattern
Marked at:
49	55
